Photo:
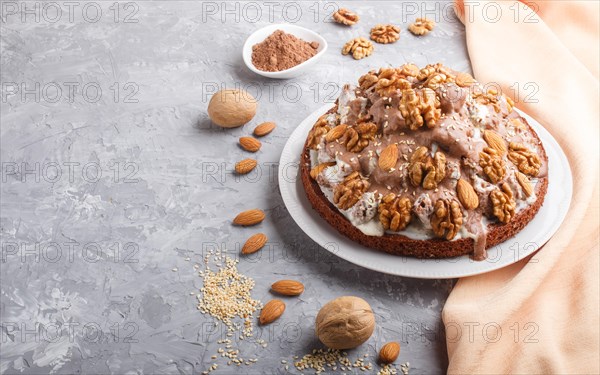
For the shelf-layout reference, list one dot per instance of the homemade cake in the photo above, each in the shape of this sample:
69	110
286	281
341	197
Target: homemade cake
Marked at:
424	162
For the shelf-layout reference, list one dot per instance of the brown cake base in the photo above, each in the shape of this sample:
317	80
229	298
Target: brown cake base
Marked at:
401	245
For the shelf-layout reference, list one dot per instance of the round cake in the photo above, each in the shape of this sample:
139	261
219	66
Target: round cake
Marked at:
424	162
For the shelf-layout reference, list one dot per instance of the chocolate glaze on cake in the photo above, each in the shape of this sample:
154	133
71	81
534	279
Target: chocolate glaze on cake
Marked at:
437	127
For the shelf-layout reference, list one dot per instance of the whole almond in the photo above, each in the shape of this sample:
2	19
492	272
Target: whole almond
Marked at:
254	243
245	166
495	141
264	129
466	195
250	144
250	217
525	183
336	132
319	168
389	352
388	157
271	311
288	287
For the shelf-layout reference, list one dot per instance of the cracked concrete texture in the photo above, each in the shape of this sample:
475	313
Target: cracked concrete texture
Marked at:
113	176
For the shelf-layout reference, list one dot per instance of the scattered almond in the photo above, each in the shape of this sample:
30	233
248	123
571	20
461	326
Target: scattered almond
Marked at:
389	352
336	132
495	141
264	129
466	195
250	144
319	168
271	311
245	166
250	217
388	157
525	183
254	243
288	287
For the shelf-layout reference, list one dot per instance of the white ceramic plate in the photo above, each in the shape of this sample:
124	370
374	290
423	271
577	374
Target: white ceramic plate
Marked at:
531	238
299	32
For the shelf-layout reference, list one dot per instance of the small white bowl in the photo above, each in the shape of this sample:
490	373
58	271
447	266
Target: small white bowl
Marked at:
299	32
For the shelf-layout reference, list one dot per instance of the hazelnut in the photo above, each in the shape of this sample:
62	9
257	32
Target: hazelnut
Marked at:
232	108
345	323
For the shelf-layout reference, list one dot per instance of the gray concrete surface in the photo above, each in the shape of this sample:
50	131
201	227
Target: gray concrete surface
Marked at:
113	176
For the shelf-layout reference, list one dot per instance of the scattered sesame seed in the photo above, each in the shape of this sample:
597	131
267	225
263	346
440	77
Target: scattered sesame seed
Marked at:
226	296
327	360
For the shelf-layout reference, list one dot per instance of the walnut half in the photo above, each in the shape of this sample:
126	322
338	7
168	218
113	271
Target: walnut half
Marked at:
425	170
447	218
385	33
349	191
358	47
525	160
366	81
387	80
504	203
419	107
357	138
492	164
390	80
394	212
320	128
421	26
345	17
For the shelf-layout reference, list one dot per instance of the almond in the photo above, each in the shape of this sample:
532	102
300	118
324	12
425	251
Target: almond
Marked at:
250	217
525	183
250	144
271	311
388	157
319	168
264	129
389	352
245	166
288	287
254	243
495	141
336	132
466	195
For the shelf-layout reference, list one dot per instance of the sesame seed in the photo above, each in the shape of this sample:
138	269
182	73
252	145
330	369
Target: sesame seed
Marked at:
327	361
226	296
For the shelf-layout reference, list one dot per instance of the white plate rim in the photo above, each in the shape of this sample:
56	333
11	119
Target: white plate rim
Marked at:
527	241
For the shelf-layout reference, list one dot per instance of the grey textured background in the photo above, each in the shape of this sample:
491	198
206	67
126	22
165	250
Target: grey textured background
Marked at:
106	196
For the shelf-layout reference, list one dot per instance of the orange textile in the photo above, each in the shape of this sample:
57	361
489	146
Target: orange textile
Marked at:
542	314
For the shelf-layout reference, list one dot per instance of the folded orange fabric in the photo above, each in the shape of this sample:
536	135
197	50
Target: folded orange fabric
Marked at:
542	314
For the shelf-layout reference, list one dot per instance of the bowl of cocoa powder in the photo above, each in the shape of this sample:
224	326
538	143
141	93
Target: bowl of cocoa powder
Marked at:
283	51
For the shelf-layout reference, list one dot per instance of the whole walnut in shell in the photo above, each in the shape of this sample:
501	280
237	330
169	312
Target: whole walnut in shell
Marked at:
345	323
231	108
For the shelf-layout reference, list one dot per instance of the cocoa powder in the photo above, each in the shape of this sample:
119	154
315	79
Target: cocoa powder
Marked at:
281	51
